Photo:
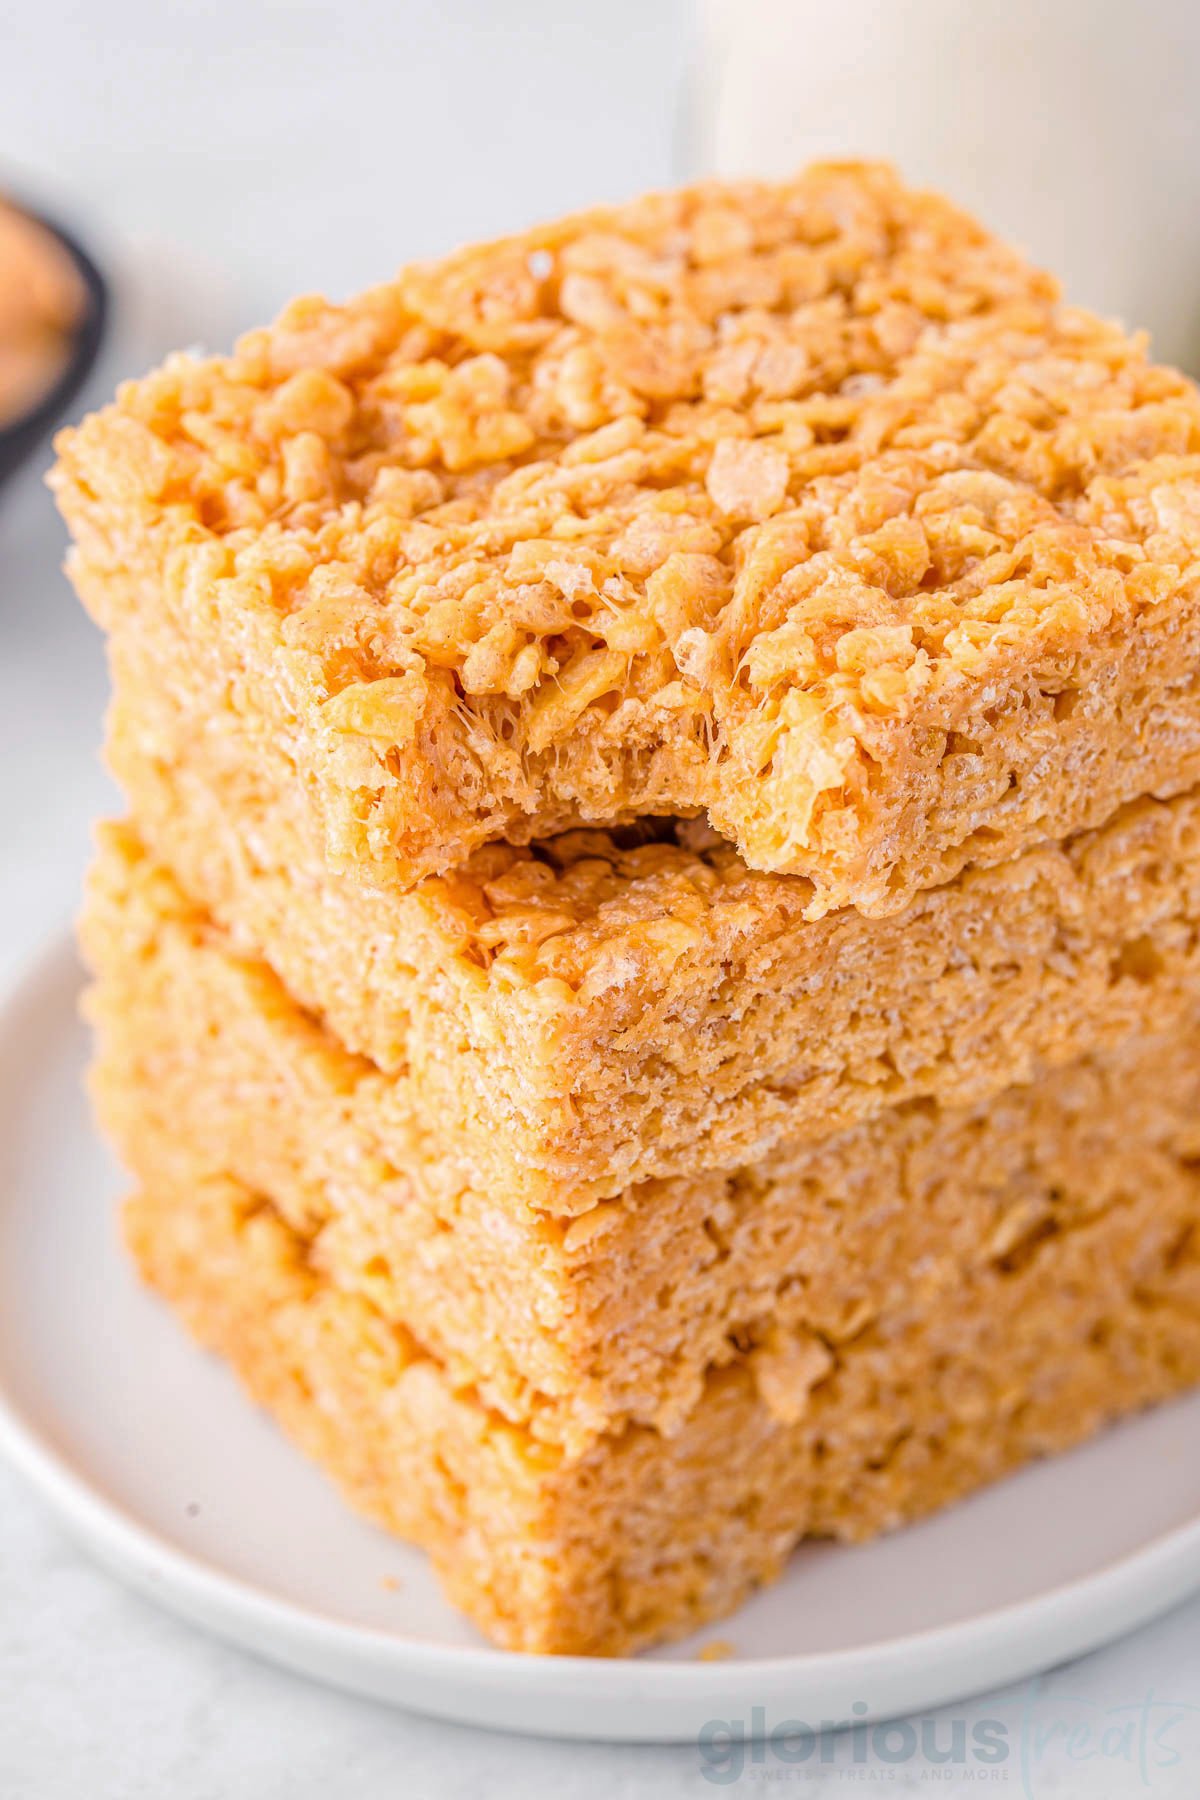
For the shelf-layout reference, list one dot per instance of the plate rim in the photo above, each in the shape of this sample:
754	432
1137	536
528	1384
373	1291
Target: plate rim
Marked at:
1067	1619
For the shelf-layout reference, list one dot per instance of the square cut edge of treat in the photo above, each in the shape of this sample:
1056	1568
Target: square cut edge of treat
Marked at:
806	505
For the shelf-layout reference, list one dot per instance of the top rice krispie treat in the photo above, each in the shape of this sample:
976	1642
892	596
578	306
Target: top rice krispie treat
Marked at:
808	507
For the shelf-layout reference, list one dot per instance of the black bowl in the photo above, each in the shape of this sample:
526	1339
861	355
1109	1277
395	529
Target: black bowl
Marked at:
20	438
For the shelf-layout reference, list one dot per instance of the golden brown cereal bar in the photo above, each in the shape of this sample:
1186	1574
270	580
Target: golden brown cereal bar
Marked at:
573	1326
806	506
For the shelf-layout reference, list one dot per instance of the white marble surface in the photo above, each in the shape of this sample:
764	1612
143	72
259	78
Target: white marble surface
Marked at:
223	156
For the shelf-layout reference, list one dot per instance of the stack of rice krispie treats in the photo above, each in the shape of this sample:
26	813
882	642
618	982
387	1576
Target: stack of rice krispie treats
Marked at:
651	985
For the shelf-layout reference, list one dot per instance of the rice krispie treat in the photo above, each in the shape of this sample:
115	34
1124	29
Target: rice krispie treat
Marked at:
807	507
585	1013
574	1323
643	1536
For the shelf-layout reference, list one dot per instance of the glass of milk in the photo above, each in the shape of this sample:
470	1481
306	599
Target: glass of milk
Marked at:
1070	127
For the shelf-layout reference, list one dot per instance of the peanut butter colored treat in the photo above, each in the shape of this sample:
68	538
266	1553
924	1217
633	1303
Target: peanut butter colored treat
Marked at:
643	1536
590	1012
661	910
806	507
573	1327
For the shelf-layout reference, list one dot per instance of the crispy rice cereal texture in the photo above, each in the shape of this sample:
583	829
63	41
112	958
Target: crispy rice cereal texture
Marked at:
642	1536
585	1013
806	506
574	1326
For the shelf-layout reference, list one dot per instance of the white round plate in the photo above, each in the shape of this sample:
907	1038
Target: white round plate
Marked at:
152	1456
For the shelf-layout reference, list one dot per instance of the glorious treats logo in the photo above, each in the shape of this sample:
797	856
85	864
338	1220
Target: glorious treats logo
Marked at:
1137	1741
